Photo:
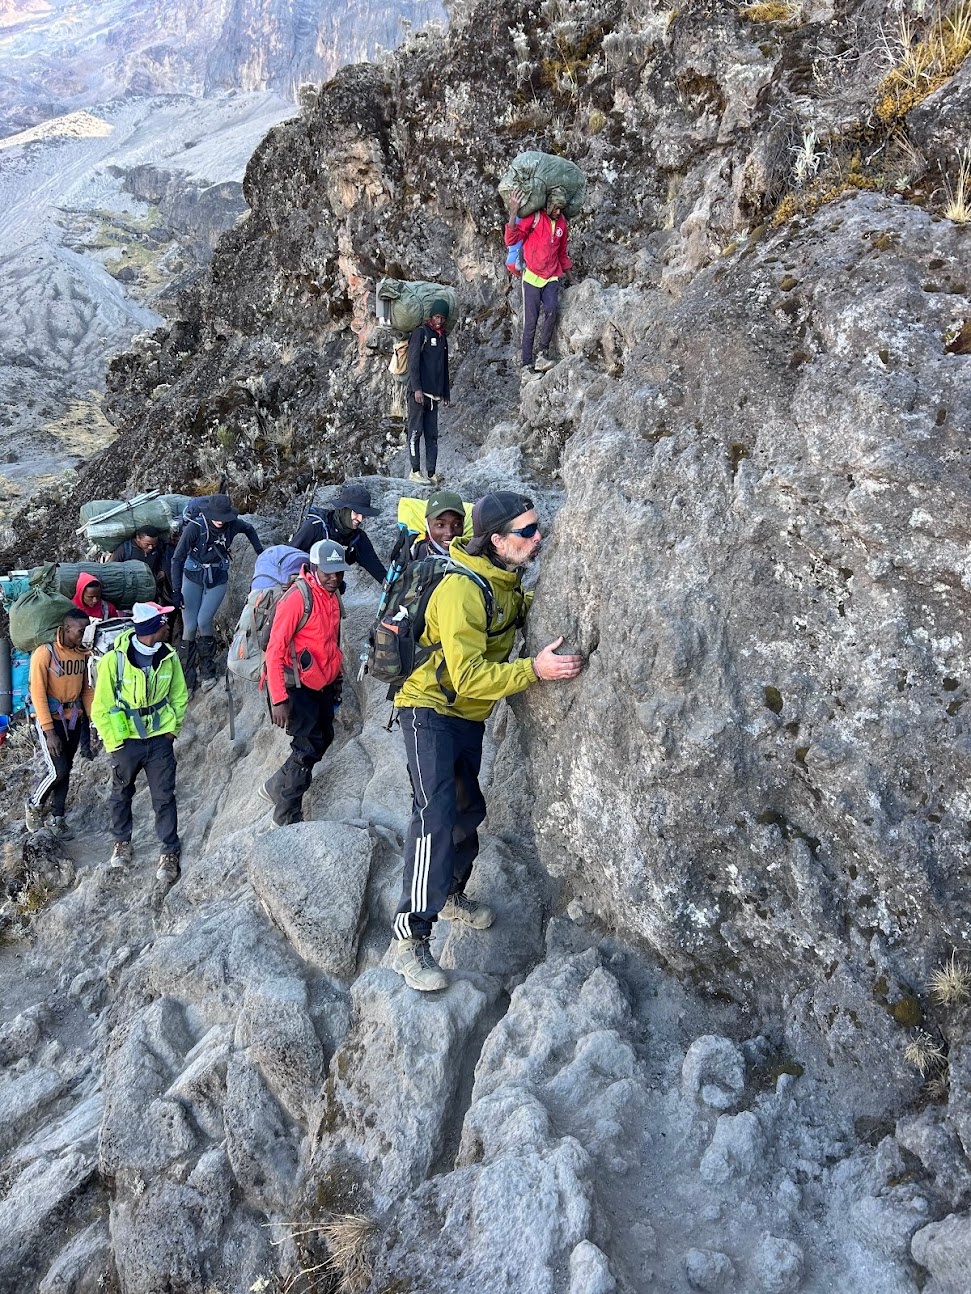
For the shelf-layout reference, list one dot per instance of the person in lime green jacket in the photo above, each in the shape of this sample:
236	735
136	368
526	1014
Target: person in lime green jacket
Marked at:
140	700
443	707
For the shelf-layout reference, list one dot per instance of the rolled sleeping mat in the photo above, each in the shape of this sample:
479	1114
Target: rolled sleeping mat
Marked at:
124	583
6	678
109	522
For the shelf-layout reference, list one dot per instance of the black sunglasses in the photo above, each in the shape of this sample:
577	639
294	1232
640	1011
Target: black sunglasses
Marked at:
525	532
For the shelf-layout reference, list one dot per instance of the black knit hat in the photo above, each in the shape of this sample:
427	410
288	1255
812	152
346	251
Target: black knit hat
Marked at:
356	498
438	307
490	516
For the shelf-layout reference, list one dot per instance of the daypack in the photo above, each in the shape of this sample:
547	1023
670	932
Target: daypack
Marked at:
247	652
514	255
99	638
394	650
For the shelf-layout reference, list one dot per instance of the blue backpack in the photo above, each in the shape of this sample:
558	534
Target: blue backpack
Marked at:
514	256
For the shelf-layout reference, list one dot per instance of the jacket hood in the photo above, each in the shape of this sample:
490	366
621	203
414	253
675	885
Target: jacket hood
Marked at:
84	580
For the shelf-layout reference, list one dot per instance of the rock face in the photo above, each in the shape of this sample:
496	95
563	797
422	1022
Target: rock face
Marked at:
724	861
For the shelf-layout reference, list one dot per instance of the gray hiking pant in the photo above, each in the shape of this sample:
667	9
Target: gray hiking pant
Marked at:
199	607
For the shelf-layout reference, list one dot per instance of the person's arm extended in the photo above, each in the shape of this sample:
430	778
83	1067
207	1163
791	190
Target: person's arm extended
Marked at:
244	528
368	558
516	230
462	630
40	659
285	620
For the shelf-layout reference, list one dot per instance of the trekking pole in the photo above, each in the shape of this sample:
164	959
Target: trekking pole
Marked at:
231	706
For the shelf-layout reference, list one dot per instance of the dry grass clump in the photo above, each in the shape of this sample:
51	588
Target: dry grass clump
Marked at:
925	1053
771	11
922	60
349	1263
958	206
950	984
809	200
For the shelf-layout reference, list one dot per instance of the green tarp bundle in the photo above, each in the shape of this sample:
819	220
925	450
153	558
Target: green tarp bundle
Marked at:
36	615
412	302
124	583
108	531
535	173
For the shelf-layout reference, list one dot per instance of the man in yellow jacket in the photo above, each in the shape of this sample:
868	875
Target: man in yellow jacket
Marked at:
140	699
443	707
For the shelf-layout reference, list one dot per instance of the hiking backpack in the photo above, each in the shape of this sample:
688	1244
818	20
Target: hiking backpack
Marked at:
394	651
247	652
514	255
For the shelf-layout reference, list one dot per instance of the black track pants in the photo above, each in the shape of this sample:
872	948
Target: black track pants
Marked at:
156	756
444	756
53	787
311	731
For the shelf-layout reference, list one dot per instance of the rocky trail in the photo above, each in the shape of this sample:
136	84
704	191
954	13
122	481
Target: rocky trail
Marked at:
211	1075
705	1047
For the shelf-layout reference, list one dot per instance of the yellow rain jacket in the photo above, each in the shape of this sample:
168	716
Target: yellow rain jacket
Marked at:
127	705
473	654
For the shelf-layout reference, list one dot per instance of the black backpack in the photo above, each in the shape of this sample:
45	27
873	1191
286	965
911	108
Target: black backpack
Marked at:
394	652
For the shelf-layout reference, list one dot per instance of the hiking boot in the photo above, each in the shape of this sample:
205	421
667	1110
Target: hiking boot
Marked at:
188	657
208	675
543	363
420	477
86	752
266	794
122	856
169	870
33	816
59	828
459	907
414	962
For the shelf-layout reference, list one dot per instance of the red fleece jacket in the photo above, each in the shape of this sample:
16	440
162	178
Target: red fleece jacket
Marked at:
544	248
316	645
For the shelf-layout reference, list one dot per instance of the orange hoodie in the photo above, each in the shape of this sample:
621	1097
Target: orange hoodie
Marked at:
61	674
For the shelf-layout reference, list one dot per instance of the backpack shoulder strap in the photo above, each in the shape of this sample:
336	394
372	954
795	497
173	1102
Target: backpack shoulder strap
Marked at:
308	603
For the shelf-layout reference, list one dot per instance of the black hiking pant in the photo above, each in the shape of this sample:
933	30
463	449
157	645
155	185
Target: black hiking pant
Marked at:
311	731
156	756
444	755
53	787
423	421
547	300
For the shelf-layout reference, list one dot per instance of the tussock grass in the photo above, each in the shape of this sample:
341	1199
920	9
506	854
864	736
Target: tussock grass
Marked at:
923	58
771	11
950	984
925	1053
958	207
347	1267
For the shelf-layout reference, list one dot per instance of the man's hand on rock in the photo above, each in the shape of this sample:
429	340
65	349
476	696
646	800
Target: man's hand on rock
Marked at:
280	713
556	669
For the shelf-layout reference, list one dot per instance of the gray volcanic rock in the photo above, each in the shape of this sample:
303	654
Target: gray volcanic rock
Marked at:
765	752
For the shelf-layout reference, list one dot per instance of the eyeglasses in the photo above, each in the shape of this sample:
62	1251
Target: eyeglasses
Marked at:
525	532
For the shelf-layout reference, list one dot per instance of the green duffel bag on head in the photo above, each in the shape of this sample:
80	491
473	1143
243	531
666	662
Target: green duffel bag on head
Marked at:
411	302
535	173
37	615
109	522
124	583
